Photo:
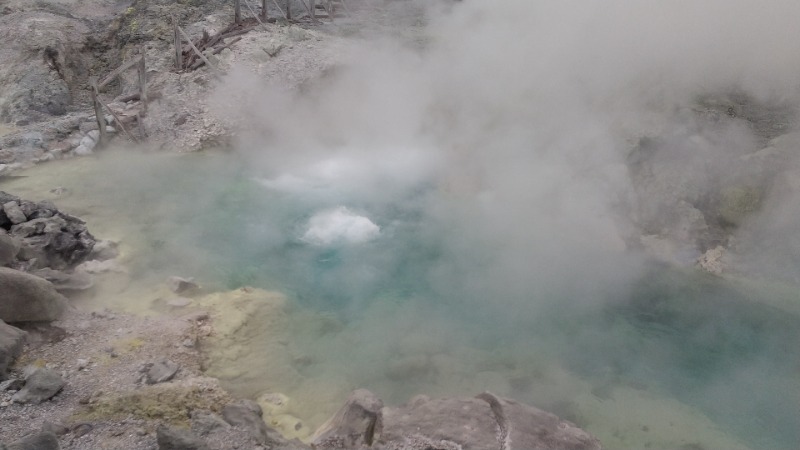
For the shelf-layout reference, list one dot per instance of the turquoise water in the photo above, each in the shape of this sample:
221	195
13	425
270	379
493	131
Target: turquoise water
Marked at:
687	335
715	346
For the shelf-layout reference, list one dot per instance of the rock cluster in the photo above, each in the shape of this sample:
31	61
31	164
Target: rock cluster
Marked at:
40	236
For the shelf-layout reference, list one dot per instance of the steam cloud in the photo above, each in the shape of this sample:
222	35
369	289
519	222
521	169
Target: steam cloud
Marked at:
509	127
522	113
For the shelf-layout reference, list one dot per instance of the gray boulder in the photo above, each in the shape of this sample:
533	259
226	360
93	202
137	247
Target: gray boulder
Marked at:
104	250
354	425
66	282
83	150
485	421
206	422
14	213
38	441
9	247
170	438
40	385
162	371
247	415
28	298
11	342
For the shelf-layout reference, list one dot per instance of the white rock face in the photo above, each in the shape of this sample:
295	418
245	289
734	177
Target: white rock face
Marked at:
339	226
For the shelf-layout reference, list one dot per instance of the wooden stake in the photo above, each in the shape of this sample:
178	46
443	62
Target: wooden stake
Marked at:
115	73
98	113
178	53
264	14
198	52
141	125
288	9
119	122
237	11
142	85
279	9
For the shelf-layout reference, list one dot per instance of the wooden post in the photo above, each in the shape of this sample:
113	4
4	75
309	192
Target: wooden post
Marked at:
279	8
98	113
119	122
142	84
142	131
178	49
288	9
313	10
264	15
237	11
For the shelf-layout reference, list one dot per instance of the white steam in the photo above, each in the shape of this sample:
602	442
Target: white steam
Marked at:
339	226
522	114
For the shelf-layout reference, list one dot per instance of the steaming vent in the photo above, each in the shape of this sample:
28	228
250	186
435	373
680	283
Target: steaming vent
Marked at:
339	226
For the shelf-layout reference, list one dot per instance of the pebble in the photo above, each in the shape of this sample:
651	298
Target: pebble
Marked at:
179	302
83	150
82	364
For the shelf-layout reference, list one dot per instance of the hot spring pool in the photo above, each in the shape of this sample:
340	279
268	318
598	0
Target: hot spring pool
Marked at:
379	299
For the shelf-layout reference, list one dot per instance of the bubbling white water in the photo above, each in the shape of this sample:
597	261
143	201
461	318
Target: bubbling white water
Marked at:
339	226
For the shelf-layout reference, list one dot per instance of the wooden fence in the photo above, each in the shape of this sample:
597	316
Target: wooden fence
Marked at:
99	105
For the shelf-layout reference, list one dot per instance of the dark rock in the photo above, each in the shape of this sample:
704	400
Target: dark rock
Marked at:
178	284
66	282
38	441
354	425
162	371
9	247
247	415
40	385
11	342
12	384
57	428
205	422
28	298
58	242
170	438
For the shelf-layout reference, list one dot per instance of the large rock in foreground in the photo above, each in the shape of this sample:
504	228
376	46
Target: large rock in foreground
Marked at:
11	341
28	298
40	385
482	422
37	441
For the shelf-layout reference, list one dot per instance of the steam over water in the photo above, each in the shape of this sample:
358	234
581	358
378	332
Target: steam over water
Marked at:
664	359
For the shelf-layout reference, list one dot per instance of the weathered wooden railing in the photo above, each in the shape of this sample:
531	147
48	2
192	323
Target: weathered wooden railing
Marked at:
99	105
